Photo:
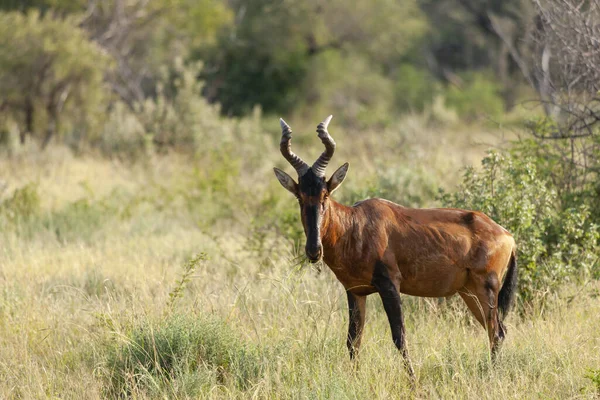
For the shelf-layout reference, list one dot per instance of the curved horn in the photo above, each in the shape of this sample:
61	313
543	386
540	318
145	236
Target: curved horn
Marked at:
286	149
321	163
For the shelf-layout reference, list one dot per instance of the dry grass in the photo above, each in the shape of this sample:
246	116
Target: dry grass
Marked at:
75	294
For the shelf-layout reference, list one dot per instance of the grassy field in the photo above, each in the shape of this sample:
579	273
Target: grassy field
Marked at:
99	297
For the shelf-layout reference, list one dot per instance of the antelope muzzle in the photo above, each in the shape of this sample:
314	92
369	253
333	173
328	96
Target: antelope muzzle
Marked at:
313	248
314	252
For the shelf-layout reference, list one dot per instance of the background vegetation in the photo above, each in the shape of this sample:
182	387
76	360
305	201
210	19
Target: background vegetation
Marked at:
147	251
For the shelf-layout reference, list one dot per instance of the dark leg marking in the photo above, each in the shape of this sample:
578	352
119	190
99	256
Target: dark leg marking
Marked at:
496	328
393	308
356	323
501	330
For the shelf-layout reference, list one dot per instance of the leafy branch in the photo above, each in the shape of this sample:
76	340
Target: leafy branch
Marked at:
188	270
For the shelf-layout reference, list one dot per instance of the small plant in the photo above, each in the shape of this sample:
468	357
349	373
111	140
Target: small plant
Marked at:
269	227
23	204
188	270
594	376
178	356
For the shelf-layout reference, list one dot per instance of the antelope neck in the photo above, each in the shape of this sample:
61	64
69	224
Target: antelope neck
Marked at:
338	220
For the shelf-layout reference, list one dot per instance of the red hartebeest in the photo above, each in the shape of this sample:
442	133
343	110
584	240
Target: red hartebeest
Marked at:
379	246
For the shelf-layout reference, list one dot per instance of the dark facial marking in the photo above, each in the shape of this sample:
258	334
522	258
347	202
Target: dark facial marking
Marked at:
312	194
311	184
313	237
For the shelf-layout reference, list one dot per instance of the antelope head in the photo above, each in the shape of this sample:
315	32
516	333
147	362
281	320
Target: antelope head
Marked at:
312	190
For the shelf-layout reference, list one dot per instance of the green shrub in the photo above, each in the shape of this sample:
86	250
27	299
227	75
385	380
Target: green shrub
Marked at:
478	96
410	187
571	165
277	218
554	245
176	118
77	220
123	135
415	88
23	205
181	355
332	85
594	376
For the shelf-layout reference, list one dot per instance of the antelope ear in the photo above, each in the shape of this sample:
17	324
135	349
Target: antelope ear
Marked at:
337	178
286	181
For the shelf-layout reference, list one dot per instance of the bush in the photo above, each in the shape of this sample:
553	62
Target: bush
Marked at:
415	88
332	85
554	245
179	356
23	205
123	134
52	73
571	165
594	376
179	117
78	220
410	187
478	96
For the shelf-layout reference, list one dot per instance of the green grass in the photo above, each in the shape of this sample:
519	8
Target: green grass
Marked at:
107	307
182	355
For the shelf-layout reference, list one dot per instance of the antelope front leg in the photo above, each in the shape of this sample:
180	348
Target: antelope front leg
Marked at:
357	308
393	308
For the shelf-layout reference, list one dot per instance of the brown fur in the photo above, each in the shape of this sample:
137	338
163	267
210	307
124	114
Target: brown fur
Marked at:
428	252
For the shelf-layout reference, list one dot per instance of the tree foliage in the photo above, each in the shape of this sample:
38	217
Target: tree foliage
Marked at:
50	73
365	63
55	6
554	243
144	36
271	56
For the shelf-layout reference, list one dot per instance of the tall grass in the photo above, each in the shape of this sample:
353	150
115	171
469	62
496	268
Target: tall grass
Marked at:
96	301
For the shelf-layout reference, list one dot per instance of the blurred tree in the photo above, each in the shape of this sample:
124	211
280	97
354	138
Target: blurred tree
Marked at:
570	64
56	6
143	36
48	69
483	34
266	56
259	59
568	67
415	87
